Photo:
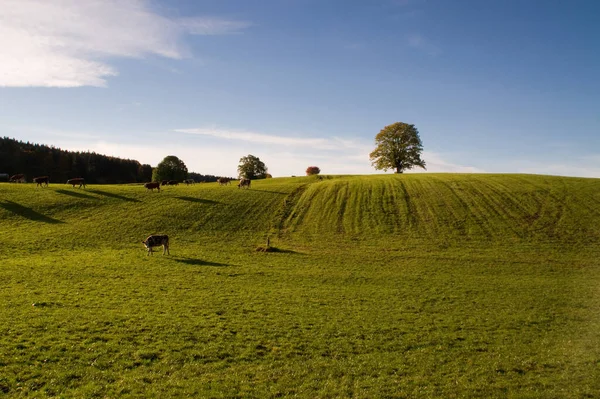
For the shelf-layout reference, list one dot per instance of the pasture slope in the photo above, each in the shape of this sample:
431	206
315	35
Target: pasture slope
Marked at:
383	286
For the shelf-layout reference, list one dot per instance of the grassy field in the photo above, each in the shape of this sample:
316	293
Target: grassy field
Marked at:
383	286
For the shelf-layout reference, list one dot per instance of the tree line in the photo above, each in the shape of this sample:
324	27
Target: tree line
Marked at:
60	165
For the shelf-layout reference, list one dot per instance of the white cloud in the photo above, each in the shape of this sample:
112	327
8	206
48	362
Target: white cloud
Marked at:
284	156
68	43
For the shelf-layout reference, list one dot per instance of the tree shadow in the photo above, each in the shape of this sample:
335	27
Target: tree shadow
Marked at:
198	262
112	195
76	194
198	200
27	213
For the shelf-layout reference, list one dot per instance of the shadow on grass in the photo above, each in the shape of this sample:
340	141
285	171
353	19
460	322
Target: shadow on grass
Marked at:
27	213
276	250
198	262
272	192
111	195
198	200
76	194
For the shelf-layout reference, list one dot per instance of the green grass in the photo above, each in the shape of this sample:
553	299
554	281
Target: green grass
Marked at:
380	287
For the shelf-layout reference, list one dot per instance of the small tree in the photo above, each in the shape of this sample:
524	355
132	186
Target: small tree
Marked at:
252	167
170	168
399	147
312	170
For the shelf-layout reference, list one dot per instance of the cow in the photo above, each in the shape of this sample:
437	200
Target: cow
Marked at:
223	181
76	181
244	183
152	186
157	241
41	181
18	178
173	183
189	181
164	183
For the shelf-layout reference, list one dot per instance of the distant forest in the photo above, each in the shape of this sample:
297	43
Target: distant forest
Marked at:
60	165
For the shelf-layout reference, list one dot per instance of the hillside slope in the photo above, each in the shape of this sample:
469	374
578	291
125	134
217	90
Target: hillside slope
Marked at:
450	207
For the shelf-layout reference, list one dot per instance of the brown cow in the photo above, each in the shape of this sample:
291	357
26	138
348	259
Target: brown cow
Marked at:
164	183
18	178
152	186
41	181
223	181
76	181
244	183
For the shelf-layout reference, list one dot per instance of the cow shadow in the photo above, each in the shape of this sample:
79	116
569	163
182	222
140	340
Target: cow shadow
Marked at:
27	213
112	195
198	200
198	262
76	194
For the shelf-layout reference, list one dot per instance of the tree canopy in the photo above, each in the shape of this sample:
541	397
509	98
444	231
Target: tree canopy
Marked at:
313	170
399	147
170	168
252	167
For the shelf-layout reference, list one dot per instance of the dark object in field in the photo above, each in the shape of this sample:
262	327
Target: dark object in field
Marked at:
244	183
173	183
189	181
152	186
157	241
164	182
18	178
223	181
77	181
41	181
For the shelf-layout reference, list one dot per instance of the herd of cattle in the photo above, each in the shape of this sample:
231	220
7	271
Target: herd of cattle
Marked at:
43	181
153	240
244	183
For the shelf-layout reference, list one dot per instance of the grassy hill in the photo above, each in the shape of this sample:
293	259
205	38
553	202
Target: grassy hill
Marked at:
379	286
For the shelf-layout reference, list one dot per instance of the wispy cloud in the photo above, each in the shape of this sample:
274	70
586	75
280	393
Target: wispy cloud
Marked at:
68	43
421	43
253	137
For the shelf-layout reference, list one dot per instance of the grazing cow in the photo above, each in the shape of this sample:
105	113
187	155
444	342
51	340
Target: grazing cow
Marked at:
41	181
173	183
76	181
189	181
157	241
244	183
19	178
164	182
223	181
152	186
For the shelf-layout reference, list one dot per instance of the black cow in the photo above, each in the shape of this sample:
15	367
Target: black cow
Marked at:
41	181
152	186
77	181
157	241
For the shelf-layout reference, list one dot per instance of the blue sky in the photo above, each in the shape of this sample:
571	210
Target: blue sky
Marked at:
505	86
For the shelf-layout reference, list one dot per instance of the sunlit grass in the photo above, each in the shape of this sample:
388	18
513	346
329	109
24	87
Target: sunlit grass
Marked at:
382	286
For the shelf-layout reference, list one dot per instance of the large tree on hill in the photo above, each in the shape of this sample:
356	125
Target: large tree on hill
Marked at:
252	167
170	168
399	147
